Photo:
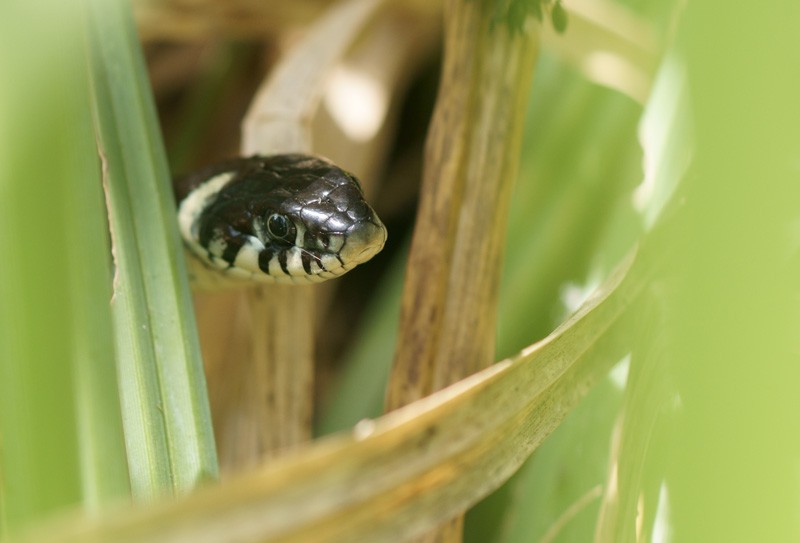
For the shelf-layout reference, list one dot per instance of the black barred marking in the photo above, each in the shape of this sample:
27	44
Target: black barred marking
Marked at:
231	250
282	261
308	239
305	258
264	258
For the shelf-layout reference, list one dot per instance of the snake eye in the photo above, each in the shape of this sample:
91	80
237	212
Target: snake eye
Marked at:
278	226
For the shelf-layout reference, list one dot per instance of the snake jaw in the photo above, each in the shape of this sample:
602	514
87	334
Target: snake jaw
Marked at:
223	220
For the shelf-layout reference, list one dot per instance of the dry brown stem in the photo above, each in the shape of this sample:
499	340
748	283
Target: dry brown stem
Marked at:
447	327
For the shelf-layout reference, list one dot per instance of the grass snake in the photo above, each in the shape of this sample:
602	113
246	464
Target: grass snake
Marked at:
288	218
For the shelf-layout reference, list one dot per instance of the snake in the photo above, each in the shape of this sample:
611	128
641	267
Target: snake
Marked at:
287	218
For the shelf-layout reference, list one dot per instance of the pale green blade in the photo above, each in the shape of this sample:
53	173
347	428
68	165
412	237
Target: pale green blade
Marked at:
732	474
165	405
60	424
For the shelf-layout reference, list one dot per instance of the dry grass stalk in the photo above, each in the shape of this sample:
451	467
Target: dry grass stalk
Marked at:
447	328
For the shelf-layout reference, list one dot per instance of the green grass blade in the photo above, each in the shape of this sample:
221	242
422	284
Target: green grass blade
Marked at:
735	314
579	148
577	174
60	421
167	418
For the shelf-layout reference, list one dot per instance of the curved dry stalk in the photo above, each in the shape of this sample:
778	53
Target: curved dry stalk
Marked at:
399	476
279	118
159	19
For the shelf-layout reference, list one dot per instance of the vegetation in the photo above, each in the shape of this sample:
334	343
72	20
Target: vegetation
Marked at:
653	226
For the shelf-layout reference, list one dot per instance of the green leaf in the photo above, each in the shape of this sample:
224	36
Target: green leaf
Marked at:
60	423
558	16
733	292
165	406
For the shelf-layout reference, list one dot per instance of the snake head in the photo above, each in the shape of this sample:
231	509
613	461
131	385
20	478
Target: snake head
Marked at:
284	218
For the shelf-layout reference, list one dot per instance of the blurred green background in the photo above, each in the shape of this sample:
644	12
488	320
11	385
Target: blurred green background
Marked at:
693	437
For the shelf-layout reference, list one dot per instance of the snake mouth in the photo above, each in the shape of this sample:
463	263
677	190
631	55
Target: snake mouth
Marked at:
293	264
256	259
